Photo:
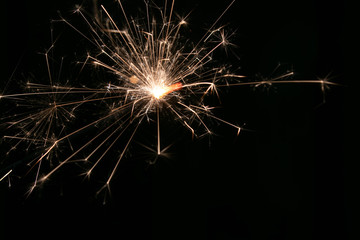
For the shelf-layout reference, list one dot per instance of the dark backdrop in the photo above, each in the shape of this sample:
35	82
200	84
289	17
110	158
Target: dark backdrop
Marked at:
292	176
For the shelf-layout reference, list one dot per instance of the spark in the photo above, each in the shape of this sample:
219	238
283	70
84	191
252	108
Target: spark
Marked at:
153	70
6	174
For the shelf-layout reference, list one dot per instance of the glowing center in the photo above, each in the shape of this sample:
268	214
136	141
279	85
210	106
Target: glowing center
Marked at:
161	91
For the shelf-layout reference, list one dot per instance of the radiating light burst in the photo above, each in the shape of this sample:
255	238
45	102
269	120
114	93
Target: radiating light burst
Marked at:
153	69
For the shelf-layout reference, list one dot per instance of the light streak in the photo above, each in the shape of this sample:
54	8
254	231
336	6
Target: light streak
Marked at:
153	70
6	174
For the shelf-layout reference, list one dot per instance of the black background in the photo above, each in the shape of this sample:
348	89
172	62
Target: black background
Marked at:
292	176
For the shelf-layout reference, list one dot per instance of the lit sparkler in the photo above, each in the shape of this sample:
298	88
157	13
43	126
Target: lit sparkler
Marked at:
153	70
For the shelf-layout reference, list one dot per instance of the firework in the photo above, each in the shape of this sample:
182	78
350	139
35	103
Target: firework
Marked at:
153	70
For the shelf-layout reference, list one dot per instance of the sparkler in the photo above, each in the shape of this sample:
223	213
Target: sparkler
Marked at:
153	70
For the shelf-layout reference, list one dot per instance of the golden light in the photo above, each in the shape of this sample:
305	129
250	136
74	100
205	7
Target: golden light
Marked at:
159	91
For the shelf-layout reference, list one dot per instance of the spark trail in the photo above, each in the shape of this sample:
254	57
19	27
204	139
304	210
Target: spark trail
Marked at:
153	70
